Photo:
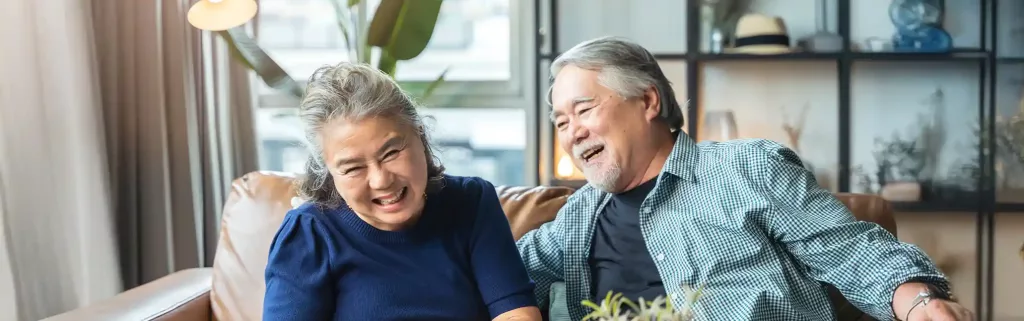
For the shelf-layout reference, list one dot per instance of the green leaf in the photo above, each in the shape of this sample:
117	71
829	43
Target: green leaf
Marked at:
429	91
342	16
591	305
249	52
387	64
353	3
404	27
384	20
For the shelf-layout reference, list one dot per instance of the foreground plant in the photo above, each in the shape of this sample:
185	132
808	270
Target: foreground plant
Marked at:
615	307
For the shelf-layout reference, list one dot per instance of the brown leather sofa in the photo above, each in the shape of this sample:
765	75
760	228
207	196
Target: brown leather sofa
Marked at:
233	288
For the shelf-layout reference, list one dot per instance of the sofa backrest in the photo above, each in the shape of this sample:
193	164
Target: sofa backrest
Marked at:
258	202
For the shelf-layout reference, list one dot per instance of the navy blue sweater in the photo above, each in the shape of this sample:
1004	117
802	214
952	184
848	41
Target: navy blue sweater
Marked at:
459	262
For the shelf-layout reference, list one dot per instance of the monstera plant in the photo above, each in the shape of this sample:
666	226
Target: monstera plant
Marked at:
400	30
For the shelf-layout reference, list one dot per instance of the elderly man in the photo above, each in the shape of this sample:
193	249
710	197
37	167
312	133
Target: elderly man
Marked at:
743	219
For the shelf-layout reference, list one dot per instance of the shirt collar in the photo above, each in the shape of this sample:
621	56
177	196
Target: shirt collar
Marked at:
683	158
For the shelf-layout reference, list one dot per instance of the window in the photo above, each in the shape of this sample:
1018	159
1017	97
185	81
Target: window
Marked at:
486	45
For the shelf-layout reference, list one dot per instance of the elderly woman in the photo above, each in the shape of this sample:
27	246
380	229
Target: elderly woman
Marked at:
385	234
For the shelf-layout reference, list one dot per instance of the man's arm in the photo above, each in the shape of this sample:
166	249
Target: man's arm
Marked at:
541	250
863	260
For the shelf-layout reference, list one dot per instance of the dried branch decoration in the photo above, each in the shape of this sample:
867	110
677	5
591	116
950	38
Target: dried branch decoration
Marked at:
795	130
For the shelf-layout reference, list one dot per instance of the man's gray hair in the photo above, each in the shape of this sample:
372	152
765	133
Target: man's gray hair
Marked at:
625	67
354	91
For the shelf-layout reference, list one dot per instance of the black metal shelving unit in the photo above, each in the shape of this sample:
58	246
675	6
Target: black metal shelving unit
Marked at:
984	57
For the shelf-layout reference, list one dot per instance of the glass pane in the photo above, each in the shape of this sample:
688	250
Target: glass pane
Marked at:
472	37
1010	133
871	25
658	25
485	142
1010	31
772	101
915	132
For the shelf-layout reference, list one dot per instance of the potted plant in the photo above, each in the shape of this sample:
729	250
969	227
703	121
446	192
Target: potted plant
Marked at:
400	30
615	307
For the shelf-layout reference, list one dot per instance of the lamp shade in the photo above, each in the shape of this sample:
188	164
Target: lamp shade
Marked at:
217	15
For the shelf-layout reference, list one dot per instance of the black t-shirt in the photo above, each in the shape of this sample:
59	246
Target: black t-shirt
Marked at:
619	260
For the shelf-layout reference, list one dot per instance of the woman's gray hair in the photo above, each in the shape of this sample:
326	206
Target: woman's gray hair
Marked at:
625	67
354	91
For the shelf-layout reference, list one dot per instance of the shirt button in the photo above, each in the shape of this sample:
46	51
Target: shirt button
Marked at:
661	256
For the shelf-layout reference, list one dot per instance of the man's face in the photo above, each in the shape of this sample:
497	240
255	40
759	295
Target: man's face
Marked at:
603	131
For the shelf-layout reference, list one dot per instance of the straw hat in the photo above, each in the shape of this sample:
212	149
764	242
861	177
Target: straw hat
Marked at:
760	34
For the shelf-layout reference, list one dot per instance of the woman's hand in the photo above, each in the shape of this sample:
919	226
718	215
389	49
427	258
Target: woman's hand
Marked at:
520	314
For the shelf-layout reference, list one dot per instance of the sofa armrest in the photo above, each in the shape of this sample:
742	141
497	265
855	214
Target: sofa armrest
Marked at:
181	296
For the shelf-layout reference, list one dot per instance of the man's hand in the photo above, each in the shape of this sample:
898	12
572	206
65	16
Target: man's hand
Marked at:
940	310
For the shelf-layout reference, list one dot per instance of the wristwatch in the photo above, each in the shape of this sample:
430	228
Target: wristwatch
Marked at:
925	296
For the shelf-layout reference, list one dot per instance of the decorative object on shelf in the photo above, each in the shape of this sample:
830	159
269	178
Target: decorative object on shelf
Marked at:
906	166
919	26
1010	154
876	44
761	34
794	130
720	16
718	126
717	41
822	40
219	15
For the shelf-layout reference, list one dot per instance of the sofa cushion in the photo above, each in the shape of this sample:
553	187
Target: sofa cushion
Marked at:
529	207
252	214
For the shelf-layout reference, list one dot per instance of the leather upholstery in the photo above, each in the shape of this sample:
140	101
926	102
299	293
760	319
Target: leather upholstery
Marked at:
182	296
251	216
256	207
527	208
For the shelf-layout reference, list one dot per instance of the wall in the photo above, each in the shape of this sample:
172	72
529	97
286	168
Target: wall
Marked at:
887	97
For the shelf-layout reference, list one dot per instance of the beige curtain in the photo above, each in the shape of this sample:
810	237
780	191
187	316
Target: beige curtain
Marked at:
56	204
121	128
179	122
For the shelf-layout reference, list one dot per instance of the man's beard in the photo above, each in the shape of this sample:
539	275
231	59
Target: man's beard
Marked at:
603	176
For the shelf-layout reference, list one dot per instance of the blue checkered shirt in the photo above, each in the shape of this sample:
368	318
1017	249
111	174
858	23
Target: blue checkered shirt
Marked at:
746	220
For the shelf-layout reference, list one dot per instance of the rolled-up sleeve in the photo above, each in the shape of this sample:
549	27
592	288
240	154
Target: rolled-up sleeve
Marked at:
541	250
861	259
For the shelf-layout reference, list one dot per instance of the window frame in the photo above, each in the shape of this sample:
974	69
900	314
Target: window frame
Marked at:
514	92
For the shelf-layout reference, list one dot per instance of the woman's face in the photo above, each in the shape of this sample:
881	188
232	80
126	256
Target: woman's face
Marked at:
379	168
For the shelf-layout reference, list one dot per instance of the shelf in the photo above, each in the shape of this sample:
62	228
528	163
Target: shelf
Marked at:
956	55
785	56
1009	207
1010	60
919	56
935	207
